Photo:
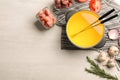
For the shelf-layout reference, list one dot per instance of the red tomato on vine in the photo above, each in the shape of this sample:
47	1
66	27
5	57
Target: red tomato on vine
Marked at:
95	5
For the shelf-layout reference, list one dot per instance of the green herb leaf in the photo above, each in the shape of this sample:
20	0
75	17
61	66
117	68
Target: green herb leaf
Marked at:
96	70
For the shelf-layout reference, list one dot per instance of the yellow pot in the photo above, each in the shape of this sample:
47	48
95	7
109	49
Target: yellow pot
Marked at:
88	38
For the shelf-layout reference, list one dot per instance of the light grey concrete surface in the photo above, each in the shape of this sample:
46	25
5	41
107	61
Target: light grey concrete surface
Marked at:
29	53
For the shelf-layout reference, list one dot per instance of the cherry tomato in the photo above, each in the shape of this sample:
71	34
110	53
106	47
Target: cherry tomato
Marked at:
95	5
82	0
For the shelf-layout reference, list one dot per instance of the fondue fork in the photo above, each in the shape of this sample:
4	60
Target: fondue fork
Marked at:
106	14
99	21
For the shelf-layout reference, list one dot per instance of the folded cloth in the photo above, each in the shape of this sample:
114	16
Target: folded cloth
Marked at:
117	57
106	6
65	43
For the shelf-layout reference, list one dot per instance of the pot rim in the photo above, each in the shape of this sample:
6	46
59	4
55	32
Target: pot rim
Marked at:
85	47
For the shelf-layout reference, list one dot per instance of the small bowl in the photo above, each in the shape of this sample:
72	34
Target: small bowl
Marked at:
46	27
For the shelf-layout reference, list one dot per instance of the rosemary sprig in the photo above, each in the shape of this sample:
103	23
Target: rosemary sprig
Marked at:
95	69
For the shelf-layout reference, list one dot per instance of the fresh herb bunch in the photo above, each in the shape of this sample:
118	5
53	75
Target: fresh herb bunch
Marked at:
95	69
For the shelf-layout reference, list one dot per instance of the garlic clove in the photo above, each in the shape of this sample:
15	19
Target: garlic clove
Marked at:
111	63
113	34
102	56
113	50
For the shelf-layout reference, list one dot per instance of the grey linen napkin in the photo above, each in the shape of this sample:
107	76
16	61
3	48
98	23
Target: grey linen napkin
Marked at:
106	6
